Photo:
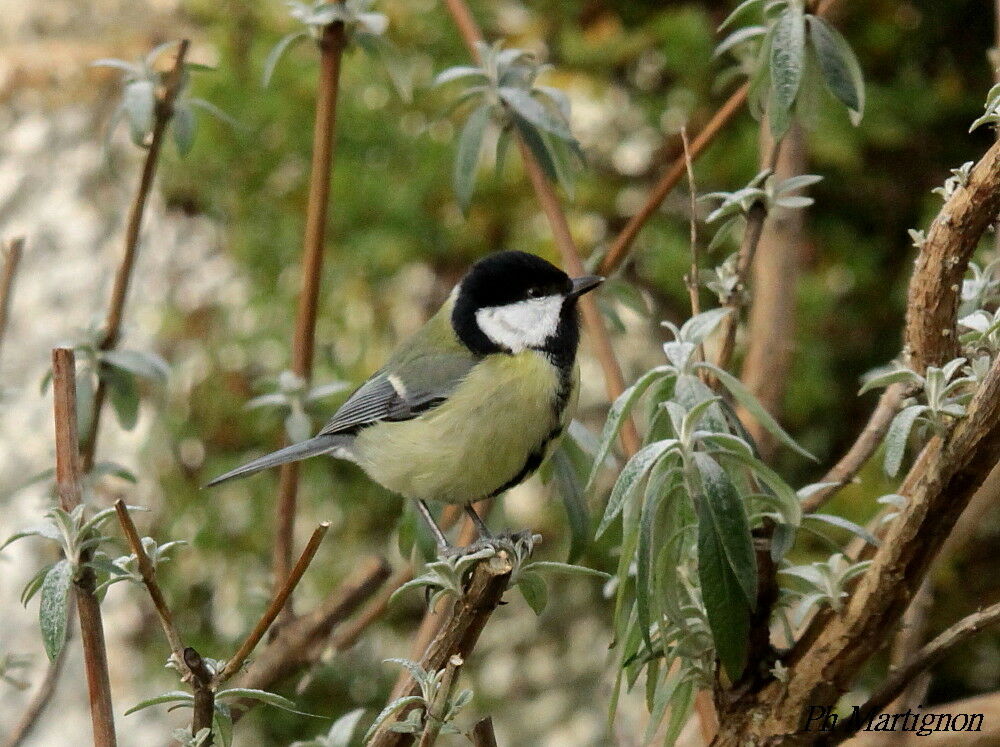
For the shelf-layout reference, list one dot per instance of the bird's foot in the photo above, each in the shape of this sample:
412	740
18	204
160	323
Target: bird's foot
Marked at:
518	545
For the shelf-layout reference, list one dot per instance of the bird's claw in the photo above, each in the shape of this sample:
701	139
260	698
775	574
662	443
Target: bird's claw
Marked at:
516	544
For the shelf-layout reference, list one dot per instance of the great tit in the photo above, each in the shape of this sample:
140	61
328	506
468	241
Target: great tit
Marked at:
474	401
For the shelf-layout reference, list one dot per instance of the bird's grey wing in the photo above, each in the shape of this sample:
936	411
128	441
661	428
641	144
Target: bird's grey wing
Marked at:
402	391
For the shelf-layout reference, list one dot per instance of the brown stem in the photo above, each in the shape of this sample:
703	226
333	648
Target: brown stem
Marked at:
460	631
204	692
482	733
116	306
300	642
923	660
691	279
70	496
274	608
331	46
438	709
148	573
12	252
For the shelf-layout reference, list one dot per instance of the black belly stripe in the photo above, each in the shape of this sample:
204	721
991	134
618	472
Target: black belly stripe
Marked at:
532	463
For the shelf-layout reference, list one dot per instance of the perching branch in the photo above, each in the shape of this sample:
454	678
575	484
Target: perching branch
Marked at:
614	382
12	252
331	46
116	307
460	631
70	492
204	692
923	660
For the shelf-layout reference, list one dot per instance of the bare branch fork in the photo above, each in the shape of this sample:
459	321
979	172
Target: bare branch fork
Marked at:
203	681
123	277
331	46
68	485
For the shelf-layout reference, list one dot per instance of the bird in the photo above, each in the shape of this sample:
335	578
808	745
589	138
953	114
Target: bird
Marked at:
474	401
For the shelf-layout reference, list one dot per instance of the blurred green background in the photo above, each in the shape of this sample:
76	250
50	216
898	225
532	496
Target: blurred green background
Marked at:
636	72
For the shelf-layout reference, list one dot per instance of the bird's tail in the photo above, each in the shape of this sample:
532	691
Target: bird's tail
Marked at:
314	446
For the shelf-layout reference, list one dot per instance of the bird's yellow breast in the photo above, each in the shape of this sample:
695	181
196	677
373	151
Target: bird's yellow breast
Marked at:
497	421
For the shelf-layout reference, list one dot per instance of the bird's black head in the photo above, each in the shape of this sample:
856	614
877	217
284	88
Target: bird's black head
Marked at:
513	301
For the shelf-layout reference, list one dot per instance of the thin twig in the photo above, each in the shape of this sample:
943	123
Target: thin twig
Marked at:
482	733
331	45
116	307
148	573
274	608
300	642
691	280
754	229
438	709
70	492
460	631
12	252
923	660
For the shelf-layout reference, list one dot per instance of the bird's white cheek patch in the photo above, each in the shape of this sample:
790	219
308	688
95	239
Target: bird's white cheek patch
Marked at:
521	325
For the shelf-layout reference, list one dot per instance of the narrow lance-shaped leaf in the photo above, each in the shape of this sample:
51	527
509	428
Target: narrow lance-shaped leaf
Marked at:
788	54
727	567
54	607
467	156
841	70
746	398
634	472
276	53
533	589
897	436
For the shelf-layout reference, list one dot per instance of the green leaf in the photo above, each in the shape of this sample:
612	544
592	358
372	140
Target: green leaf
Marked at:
570	489
663	693
42	530
391	710
575	570
277	52
617	414
537	146
788	49
34	584
788	500
891	377
182	126
737	13
633	473
534	111
342	731
54	607
850	526
533	589
750	403
727	567
140	103
467	155
146	365
272	699
124	395
841	70
897	437
174	696
458	72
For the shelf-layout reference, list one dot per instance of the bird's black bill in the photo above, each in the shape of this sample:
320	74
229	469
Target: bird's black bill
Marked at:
585	284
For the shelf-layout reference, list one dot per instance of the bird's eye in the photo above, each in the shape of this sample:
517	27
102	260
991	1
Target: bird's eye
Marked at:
534	292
